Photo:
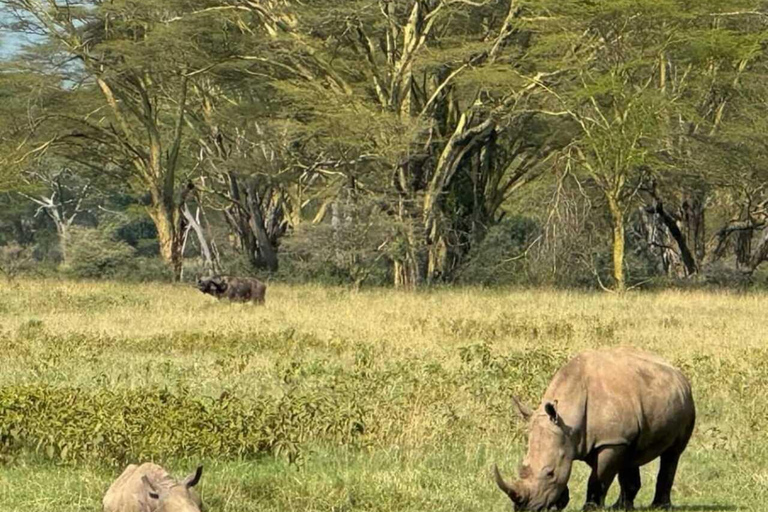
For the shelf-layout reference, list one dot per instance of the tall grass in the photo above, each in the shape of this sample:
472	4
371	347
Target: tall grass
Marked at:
326	399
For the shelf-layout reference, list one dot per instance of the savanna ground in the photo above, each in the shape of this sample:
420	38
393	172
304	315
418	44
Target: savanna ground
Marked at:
337	401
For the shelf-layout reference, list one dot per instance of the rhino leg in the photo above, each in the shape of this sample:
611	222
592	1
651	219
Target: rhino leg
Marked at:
667	470
629	480
605	466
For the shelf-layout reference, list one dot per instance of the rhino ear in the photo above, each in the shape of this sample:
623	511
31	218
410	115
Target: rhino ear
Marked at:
551	410
194	478
523	409
151	489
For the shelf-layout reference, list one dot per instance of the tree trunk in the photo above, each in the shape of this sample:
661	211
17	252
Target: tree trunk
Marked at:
170	225
695	223
407	273
205	249
437	260
744	249
685	253
656	235
761	253
617	217
169	238
63	232
407	267
266	254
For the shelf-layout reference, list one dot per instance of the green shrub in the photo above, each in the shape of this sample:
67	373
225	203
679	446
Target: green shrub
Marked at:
94	254
14	260
144	270
69	424
498	259
350	252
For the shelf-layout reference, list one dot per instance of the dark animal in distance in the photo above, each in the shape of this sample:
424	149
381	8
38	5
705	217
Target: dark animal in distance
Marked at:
616	410
241	289
150	488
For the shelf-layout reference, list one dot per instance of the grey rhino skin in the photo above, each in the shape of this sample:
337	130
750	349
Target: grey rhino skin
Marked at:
150	488
240	289
616	410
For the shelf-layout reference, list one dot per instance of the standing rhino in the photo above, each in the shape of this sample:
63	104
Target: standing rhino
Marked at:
614	409
240	289
149	488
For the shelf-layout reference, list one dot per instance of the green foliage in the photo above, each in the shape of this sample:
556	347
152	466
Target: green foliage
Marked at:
351	252
117	427
14	260
95	254
500	259
306	98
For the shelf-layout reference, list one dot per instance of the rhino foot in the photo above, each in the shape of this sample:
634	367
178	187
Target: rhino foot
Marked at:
661	506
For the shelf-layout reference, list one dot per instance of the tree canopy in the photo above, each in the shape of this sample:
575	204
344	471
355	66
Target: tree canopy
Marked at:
616	141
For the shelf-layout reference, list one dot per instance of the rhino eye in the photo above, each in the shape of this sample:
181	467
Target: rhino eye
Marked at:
549	472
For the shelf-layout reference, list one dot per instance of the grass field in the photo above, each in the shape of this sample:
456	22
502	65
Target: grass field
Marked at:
330	400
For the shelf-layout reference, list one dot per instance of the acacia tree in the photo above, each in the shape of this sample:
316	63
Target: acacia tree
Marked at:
737	165
24	97
65	195
641	84
252	166
709	75
140	57
471	145
438	128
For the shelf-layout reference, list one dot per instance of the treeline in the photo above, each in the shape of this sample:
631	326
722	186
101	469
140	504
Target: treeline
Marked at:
405	142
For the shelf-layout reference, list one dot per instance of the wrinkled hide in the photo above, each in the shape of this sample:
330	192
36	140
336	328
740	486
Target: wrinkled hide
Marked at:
615	409
150	488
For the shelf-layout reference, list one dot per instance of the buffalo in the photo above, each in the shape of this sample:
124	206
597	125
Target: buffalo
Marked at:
149	488
240	289
616	410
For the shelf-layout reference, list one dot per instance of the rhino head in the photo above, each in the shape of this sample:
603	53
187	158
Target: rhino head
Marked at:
177	498
544	474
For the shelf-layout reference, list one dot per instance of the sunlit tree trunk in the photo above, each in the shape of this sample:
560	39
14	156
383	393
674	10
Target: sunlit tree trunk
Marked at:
617	219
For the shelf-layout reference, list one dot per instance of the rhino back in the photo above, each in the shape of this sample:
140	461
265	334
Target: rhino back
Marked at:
127	493
624	396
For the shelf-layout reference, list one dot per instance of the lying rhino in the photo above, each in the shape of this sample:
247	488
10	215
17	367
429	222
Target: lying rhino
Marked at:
614	409
149	488
240	289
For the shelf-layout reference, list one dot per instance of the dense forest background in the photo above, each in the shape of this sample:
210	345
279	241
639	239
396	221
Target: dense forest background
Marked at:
573	143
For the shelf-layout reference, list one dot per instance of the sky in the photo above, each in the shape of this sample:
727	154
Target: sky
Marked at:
10	42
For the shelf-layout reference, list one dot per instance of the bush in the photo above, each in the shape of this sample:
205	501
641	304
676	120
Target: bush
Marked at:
14	260
70	425
94	253
144	269
498	259
348	253
720	275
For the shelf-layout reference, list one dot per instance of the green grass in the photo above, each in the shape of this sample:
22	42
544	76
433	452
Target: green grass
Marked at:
337	401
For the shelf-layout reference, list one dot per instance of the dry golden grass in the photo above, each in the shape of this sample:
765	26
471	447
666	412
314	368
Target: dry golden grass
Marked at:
433	372
670	322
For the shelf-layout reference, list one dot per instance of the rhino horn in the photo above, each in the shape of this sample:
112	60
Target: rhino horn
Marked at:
510	490
524	410
194	478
